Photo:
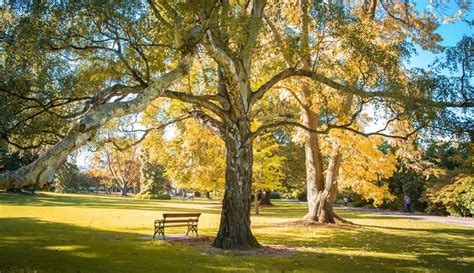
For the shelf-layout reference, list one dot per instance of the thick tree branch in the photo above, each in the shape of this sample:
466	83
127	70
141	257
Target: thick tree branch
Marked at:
279	40
330	127
42	170
145	132
260	92
200	100
212	124
254	27
389	94
220	55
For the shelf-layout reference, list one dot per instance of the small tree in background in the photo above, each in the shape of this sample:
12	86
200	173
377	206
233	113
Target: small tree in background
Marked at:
152	179
66	178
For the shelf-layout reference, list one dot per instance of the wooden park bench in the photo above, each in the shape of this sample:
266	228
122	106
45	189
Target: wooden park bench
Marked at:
189	220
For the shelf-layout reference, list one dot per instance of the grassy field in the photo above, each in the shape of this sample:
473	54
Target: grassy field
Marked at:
87	233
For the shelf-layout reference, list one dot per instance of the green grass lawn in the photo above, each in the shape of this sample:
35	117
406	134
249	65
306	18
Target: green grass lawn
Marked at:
88	233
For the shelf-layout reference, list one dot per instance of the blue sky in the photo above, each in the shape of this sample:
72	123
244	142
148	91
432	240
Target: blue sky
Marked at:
451	33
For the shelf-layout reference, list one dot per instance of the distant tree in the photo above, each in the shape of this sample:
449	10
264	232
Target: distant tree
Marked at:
452	194
193	158
124	167
152	179
365	167
448	155
12	158
98	177
294	169
66	178
267	168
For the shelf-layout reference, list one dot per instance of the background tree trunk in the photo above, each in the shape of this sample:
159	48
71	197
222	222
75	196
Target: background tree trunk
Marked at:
322	190
320	208
265	199
124	188
256	204
320	204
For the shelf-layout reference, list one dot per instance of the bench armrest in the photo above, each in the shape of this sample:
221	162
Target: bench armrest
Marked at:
159	222
192	221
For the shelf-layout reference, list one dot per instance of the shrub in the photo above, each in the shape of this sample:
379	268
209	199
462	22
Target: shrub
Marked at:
455	198
164	196
275	195
301	195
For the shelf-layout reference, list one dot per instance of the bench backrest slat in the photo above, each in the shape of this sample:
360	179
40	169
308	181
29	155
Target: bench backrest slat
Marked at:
180	215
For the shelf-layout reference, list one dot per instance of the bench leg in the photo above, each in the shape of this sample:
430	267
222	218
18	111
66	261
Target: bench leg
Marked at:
159	231
192	228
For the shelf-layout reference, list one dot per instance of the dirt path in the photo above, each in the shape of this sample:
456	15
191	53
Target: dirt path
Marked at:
458	221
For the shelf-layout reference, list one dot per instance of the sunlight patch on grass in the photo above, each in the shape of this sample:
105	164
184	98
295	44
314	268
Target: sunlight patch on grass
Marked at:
360	253
64	247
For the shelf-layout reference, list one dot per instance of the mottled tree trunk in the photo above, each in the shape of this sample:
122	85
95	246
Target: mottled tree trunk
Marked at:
320	200
321	196
208	195
234	230
319	191
321	187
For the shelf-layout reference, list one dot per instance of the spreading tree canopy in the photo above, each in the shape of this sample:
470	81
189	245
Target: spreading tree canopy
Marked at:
68	68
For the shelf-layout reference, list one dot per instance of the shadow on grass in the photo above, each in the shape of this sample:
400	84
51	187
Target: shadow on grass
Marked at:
424	250
105	202
28	244
34	245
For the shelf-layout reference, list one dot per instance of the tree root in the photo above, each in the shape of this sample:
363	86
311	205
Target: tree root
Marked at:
336	220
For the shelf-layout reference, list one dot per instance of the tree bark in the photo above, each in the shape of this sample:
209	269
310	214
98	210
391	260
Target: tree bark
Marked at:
233	126
321	200
322	190
234	230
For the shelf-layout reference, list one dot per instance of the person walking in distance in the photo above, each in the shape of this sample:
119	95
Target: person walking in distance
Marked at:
346	200
407	203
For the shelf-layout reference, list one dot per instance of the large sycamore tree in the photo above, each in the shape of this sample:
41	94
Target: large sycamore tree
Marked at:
362	44
100	61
